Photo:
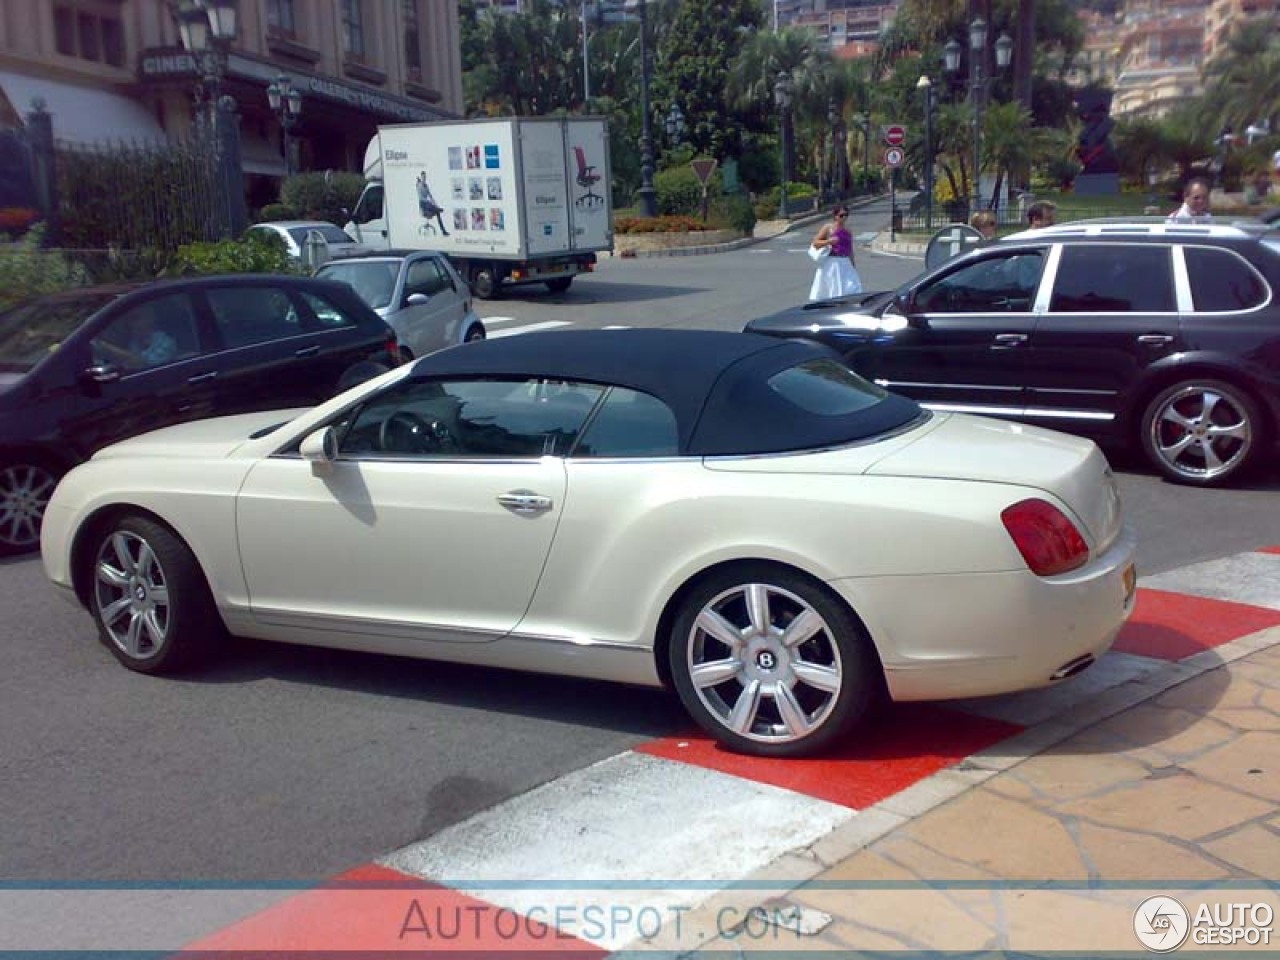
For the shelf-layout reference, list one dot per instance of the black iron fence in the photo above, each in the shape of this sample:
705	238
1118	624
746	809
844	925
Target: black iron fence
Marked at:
138	196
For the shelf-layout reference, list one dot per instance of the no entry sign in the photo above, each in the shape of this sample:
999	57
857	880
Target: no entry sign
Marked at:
895	135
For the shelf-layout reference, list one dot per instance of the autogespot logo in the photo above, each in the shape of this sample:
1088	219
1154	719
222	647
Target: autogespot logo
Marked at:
1161	923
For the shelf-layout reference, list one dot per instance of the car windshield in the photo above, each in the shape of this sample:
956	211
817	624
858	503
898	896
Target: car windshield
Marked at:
330	233
374	281
32	331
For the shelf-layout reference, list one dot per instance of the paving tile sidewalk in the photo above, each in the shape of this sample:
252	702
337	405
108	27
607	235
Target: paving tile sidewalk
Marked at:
1177	792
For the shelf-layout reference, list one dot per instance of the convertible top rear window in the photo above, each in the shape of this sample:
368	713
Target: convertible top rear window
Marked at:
826	387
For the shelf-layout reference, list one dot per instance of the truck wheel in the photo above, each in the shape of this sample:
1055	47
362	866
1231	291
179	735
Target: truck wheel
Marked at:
484	282
559	284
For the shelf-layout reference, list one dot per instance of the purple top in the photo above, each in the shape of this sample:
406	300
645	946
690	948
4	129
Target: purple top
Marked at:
841	242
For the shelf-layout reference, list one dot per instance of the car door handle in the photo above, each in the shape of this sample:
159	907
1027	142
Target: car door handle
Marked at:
524	502
1155	339
202	377
1010	339
306	352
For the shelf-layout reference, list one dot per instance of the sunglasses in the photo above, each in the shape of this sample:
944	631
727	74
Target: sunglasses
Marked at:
841	216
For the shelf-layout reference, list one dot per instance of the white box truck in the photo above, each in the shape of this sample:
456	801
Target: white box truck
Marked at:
511	200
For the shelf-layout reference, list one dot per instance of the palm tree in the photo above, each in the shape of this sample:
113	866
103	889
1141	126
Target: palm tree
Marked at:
1245	79
766	60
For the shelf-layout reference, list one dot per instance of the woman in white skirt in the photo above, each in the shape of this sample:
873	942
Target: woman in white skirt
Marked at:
836	275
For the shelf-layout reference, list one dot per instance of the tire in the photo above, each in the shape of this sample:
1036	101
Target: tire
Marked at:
559	284
485	282
358	373
406	355
150	599
26	484
834	646
1202	432
475	333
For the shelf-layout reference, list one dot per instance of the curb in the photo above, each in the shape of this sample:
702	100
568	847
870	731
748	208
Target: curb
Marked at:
803	220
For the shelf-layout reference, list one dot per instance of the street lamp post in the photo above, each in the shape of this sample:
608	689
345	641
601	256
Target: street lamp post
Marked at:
782	99
648	195
977	86
207	29
286	102
925	84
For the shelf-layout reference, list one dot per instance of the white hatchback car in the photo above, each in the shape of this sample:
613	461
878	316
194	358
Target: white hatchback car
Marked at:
418	292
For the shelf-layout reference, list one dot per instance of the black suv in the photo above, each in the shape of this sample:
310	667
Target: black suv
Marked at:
88	367
1160	334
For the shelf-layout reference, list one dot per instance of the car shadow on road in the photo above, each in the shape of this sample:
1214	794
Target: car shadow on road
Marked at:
593	291
637	711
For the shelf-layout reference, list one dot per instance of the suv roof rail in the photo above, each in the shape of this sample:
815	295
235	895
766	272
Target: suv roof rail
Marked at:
1145	226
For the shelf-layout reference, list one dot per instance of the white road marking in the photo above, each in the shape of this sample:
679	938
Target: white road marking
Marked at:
546	325
630	830
498	319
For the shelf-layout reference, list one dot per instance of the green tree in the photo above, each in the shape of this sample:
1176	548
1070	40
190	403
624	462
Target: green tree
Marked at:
1244	82
694	55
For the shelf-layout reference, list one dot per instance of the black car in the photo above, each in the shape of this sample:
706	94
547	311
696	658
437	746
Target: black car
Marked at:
88	367
1161	335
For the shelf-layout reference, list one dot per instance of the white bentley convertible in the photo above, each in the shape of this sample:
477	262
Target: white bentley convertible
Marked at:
739	517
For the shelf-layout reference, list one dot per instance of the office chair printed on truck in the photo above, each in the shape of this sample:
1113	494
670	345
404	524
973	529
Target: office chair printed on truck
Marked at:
587	178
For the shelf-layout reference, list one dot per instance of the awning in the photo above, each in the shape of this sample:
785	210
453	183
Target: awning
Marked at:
82	115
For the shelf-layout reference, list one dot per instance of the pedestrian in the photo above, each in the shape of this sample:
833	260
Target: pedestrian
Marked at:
1042	213
832	247
1195	202
984	221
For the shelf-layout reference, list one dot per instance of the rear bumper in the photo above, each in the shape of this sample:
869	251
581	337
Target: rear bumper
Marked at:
971	635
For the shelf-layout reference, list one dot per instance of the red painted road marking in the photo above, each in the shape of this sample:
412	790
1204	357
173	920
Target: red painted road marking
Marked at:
906	744
1171	626
1268	550
374	910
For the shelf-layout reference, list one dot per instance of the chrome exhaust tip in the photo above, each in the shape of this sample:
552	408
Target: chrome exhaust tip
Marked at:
1072	667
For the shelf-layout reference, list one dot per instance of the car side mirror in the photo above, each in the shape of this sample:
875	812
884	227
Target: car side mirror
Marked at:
416	299
320	449
102	373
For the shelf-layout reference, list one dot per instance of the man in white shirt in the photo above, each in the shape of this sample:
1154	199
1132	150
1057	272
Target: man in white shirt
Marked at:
1195	203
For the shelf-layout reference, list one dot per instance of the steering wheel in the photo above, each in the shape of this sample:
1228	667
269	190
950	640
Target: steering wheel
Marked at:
405	432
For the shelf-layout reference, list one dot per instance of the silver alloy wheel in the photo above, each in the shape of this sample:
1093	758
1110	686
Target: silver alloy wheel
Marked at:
1201	433
764	663
25	489
132	595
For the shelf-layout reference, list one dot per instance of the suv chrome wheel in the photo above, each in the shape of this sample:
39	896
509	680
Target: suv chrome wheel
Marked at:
1200	432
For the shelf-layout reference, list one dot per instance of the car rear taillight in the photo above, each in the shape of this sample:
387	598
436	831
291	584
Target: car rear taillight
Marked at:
393	348
1045	536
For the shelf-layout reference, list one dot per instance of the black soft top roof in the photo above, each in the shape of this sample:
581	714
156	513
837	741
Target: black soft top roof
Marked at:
716	383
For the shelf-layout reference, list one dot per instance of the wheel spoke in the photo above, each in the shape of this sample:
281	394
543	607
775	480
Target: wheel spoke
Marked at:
793	716
111	612
152	625
1176	449
1231	431
717	627
1171	414
1212	463
758	607
159	595
133	637
826	679
744	710
112	577
146	562
120	544
716	672
1207	402
803	628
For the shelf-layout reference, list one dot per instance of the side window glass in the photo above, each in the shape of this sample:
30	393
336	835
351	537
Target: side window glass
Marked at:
329	315
1112	279
151	334
249	315
1221	280
424	276
630	424
370	206
1005	284
470	418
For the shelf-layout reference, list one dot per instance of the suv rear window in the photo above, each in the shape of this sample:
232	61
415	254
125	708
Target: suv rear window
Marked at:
1221	281
1114	278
